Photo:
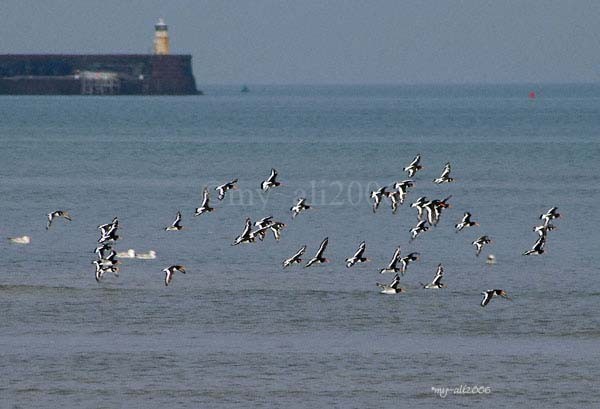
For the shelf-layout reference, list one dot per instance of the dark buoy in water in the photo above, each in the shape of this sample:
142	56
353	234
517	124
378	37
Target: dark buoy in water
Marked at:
245	89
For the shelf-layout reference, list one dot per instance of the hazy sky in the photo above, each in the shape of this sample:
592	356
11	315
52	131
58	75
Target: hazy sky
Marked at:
320	41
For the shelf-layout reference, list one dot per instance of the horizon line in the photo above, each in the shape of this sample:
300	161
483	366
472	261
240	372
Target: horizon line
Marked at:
396	84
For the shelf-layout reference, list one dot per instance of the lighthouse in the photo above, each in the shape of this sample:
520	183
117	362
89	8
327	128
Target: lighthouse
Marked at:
161	38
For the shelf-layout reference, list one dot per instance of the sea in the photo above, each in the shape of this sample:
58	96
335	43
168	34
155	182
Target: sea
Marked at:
239	331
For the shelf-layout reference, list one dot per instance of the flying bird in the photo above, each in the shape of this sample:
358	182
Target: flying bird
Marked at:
176	225
433	213
445	176
55	214
402	189
404	185
264	222
391	267
489	294
543	229
465	222
270	182
318	258
205	206
222	189
261	224
299	207
377	195
295	259
246	236
434	209
392	288
110	259
396	198
414	166
260	233
276	228
102	269
103	249
418	229
109	235
358	256
108	226
405	261
538	247
419	205
480	242
436	282
549	215
169	271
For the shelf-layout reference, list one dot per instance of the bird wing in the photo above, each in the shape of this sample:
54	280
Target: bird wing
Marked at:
437	279
360	251
265	221
394	260
413	256
260	232
487	296
415	161
443	202
539	244
440	270
479	241
393	195
177	221
405	184
431	218
479	247
299	252
446	171
247	228
404	262
310	262
272	176
205	197
110	231
322	248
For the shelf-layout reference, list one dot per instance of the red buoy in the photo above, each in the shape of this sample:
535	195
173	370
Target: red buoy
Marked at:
531	94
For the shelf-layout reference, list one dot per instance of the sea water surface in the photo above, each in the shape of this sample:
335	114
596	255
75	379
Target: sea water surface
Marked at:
239	331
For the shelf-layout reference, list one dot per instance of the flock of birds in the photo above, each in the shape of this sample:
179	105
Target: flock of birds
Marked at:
428	215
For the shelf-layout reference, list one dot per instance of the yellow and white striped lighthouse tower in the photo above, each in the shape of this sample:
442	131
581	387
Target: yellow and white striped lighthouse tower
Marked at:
161	38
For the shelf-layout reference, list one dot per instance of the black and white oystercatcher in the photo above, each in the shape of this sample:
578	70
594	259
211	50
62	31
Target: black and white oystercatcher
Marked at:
318	258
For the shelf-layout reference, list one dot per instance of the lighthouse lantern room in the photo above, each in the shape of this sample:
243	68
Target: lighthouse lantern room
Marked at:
161	38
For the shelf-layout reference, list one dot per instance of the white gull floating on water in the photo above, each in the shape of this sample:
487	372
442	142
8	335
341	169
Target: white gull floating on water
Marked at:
151	255
20	240
130	253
